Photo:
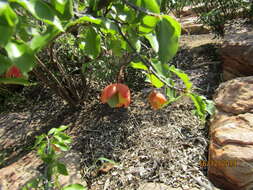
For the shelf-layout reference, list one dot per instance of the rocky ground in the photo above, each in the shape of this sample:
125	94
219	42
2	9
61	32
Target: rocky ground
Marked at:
152	149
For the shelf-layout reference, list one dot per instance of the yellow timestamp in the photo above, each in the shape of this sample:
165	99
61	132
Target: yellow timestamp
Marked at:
218	163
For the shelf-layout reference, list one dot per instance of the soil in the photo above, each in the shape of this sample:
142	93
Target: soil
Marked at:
164	146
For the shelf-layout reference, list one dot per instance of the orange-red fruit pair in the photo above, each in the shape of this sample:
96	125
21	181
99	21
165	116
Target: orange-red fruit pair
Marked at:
157	100
13	72
116	95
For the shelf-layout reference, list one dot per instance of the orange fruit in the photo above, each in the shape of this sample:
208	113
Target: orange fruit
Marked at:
116	95
156	100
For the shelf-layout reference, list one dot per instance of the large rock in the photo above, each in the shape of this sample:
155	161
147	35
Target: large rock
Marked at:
235	96
191	26
16	175
237	55
231	131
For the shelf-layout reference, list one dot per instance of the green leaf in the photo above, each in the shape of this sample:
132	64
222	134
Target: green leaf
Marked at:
33	183
39	139
139	65
148	24
210	107
42	11
115	46
113	101
74	187
64	7
16	81
62	128
110	26
8	20
153	41
61	168
57	130
40	41
85	66
149	21
124	13
161	69
61	145
21	55
168	33
184	77
155	81
51	131
151	5
86	18
92	43
62	137
134	40
5	63
200	105
171	94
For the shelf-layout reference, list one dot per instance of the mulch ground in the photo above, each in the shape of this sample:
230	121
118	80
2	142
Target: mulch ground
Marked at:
164	146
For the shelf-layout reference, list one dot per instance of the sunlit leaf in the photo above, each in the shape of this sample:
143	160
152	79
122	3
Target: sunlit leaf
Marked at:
183	76
92	43
40	41
21	55
138	65
168	33
152	5
153	41
42	11
64	7
8	20
155	81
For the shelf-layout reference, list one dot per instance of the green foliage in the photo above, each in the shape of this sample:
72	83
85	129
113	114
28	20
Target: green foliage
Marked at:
97	29
213	13
217	13
49	147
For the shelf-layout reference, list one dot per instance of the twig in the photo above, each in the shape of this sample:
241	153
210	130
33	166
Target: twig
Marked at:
147	63
61	90
140	9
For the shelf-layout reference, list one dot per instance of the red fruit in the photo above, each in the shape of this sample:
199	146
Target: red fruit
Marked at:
13	72
116	95
157	100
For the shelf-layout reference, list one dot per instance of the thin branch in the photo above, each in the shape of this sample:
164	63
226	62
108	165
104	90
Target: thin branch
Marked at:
140	9
62	89
147	63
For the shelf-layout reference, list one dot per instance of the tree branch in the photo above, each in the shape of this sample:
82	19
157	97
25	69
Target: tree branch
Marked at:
147	63
140	9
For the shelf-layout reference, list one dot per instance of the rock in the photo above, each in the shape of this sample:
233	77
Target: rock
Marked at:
16	175
190	26
231	136
237	55
231	152
235	96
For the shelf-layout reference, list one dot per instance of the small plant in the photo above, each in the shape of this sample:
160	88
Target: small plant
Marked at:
49	147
